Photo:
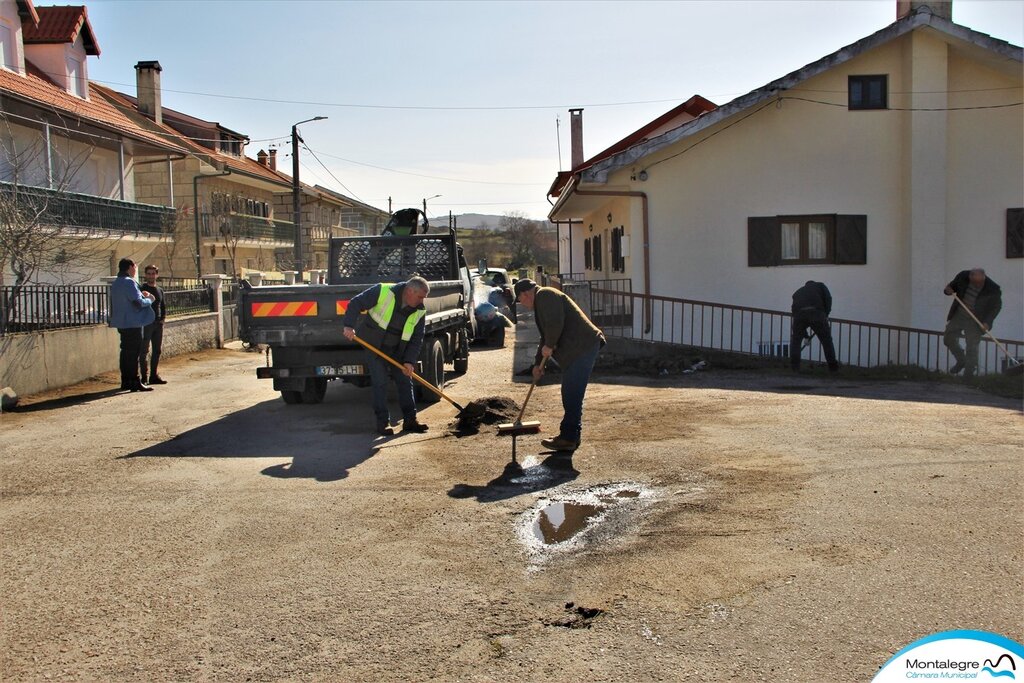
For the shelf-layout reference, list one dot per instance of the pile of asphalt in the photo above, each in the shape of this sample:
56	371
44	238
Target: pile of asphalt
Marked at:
490	410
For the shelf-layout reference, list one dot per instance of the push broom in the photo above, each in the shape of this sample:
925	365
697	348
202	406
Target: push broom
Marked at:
519	427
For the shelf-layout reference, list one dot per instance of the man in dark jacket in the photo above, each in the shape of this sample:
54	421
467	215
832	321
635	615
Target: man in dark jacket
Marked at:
570	338
394	324
153	333
812	305
985	299
131	309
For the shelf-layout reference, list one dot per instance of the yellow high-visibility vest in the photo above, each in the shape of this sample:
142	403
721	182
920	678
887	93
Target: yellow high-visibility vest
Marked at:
385	308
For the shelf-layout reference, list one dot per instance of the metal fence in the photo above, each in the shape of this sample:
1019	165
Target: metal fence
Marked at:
78	211
33	308
764	332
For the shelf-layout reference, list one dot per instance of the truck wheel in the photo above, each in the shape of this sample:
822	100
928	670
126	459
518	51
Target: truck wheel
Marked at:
433	371
292	397
461	365
315	389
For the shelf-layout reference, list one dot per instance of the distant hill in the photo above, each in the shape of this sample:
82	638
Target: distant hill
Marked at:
474	221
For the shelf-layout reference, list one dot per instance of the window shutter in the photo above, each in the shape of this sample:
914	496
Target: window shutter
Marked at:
1015	233
586	253
764	242
851	239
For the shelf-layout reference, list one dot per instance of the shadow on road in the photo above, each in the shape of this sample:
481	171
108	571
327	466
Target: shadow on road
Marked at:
65	401
516	480
317	442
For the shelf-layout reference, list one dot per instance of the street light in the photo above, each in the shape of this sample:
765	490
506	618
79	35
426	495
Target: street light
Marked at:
425	206
296	207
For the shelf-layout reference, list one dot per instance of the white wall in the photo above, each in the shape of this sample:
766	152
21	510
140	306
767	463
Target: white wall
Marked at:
10	20
53	60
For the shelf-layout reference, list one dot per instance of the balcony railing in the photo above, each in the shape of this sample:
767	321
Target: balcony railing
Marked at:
85	212
245	228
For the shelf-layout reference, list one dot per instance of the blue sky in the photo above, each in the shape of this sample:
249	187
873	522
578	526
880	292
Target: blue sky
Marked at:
489	58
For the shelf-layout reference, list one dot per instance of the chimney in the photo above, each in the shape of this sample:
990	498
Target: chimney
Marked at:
147	89
272	161
576	136
261	157
938	8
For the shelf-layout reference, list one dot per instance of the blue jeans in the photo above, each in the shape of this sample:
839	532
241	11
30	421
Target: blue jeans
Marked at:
575	377
379	373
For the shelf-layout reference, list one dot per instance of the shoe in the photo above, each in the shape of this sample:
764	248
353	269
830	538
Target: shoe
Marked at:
414	426
384	429
141	387
969	372
956	368
560	444
833	367
156	379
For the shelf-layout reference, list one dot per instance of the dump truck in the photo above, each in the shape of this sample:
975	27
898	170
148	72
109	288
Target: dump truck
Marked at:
302	324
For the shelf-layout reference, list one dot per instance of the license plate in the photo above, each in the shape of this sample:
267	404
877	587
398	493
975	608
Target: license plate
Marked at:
338	370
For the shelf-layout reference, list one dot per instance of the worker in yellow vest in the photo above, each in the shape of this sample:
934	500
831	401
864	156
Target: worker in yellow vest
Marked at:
394	324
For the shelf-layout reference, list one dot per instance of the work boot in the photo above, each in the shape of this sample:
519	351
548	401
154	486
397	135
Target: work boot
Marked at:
414	426
157	379
384	429
140	387
833	367
559	444
956	368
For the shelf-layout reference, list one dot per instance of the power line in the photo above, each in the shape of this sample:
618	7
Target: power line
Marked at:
353	194
432	177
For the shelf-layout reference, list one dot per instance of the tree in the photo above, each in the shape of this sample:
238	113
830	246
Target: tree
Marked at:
522	236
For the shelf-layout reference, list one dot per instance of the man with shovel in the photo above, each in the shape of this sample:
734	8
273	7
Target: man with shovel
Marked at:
394	324
974	290
570	338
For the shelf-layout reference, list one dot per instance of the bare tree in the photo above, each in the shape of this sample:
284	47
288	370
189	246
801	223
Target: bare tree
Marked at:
38	232
522	235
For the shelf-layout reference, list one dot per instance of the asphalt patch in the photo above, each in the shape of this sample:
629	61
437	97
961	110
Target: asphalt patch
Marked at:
490	410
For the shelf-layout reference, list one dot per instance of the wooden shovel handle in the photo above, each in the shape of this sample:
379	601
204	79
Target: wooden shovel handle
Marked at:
401	367
987	332
522	411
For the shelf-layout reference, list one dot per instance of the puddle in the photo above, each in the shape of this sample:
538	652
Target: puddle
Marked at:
558	522
571	519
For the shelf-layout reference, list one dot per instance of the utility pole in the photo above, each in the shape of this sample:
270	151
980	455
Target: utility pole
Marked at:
389	206
297	197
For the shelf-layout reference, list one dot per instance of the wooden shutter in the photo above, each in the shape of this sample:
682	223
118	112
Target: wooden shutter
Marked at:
851	239
586	254
764	241
1015	233
596	242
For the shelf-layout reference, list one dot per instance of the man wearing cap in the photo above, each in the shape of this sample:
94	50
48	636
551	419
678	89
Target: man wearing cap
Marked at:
984	298
568	336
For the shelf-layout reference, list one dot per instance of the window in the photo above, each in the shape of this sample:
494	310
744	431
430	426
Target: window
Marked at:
796	240
76	78
7	47
1015	233
869	92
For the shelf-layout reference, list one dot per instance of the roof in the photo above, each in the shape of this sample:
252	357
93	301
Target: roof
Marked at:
349	200
243	164
184	118
27	12
695	106
35	89
61	25
599	172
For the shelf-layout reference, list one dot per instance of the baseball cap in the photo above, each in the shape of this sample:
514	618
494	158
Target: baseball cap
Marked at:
523	285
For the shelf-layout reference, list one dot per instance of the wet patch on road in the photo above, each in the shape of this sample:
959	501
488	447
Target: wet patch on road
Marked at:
573	520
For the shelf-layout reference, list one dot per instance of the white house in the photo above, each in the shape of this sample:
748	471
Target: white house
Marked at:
881	169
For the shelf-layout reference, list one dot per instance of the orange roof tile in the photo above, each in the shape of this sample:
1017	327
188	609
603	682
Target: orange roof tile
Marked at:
61	25
42	93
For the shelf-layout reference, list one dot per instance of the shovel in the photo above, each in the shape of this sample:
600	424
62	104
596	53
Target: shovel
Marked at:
470	410
1017	367
519	427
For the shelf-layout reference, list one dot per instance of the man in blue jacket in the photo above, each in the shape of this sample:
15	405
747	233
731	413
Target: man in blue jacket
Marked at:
131	309
394	324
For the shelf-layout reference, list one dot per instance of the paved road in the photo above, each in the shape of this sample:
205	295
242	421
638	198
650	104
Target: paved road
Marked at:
766	531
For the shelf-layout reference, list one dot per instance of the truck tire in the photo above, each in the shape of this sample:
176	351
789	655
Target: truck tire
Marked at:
291	397
433	370
314	391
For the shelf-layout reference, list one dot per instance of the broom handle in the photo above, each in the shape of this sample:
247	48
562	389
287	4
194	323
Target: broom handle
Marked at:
984	329
401	367
529	393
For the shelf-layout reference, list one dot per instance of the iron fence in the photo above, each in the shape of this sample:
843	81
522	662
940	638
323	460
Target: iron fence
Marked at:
188	301
241	227
31	308
76	211
765	332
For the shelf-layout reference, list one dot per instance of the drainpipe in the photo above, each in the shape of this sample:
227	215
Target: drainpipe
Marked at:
646	239
120	164
49	157
195	212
